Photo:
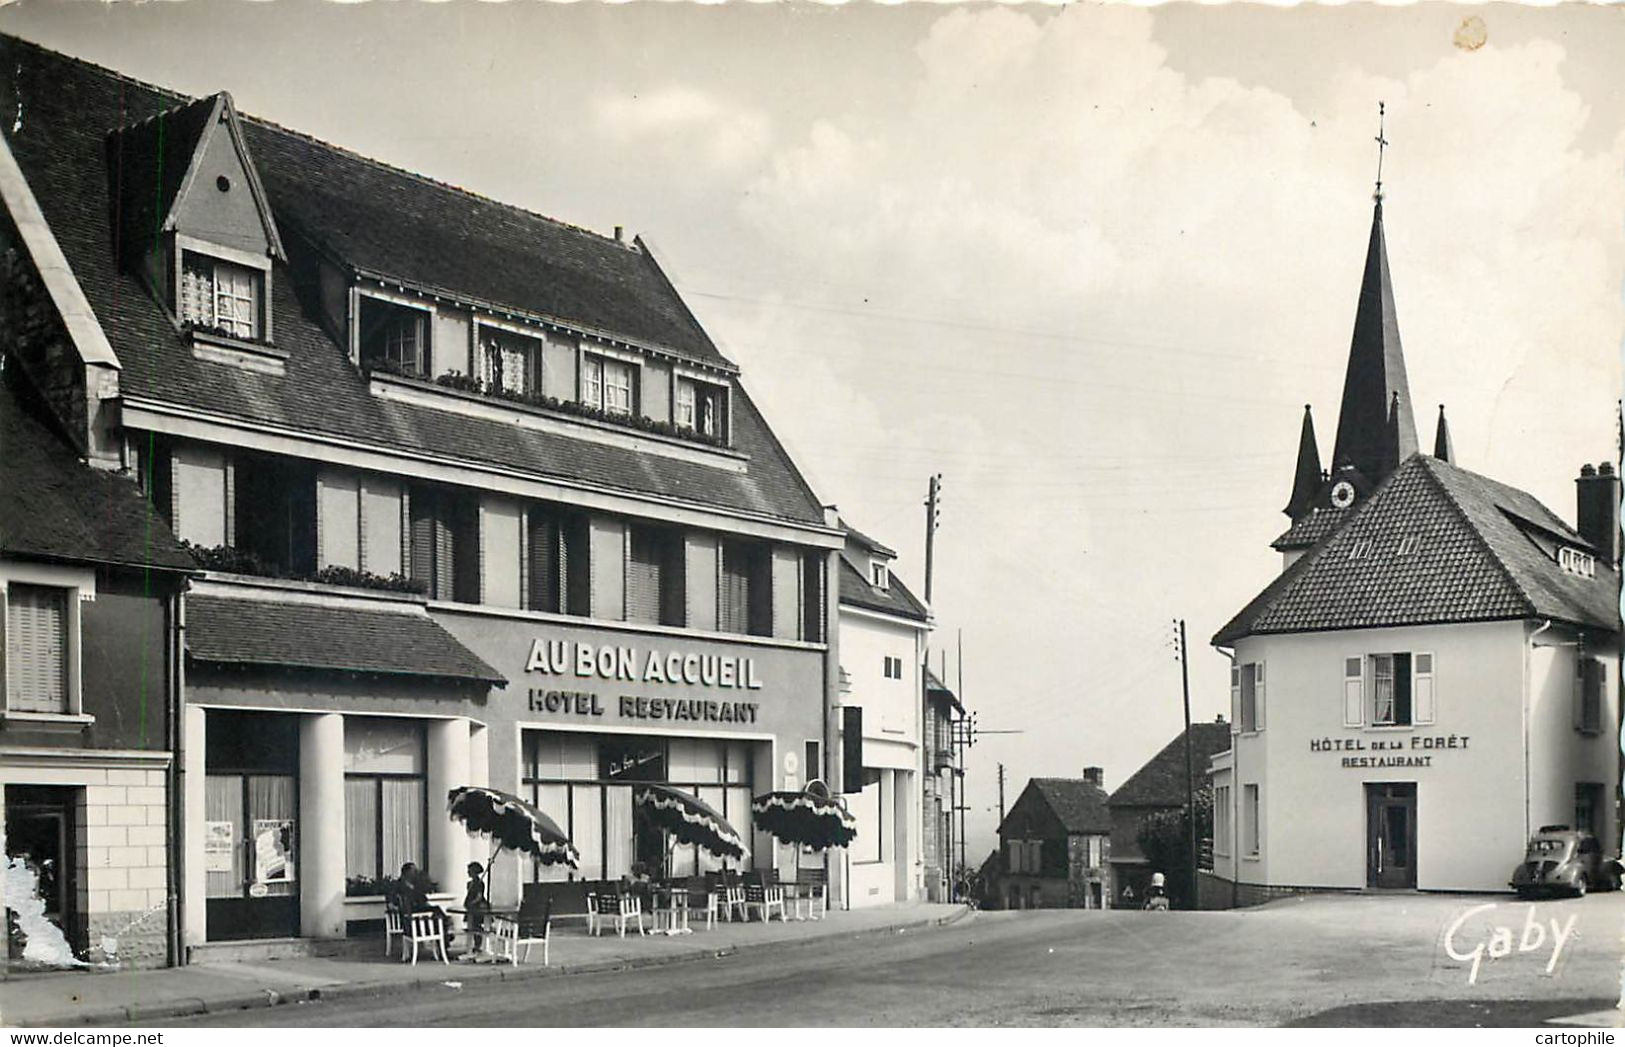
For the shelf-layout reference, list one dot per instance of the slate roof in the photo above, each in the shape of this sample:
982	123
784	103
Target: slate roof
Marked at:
857	591
1483	551
385	220
232	631
934	687
54	506
1160	782
1080	805
1310	528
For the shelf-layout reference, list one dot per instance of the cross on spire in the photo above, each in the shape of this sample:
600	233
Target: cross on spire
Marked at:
1382	144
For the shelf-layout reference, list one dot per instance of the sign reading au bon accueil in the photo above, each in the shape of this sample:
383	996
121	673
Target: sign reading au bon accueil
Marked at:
577	660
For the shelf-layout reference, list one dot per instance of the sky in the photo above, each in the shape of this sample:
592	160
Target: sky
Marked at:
1088	263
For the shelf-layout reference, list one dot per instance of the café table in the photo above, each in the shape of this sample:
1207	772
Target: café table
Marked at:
671	908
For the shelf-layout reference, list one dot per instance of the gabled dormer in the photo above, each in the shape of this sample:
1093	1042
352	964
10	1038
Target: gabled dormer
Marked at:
195	223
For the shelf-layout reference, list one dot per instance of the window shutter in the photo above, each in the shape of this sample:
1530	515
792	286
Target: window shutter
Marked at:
1235	698
36	655
1579	693
1353	691
1422	699
1258	696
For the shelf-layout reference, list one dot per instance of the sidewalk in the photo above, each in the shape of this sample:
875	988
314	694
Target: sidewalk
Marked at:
133	997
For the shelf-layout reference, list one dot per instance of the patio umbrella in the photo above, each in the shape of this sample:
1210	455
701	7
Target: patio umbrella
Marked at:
689	819
809	818
511	823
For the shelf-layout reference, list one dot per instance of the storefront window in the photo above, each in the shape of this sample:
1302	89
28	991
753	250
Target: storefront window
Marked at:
586	783
385	798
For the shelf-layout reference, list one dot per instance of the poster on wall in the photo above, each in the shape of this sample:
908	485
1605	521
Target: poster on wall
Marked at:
219	839
273	850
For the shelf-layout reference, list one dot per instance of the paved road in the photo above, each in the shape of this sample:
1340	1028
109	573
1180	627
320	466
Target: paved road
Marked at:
1361	960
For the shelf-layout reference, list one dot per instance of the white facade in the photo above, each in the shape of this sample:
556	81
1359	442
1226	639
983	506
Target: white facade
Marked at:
881	659
1493	752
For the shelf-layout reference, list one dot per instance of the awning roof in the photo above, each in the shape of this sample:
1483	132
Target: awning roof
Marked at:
233	631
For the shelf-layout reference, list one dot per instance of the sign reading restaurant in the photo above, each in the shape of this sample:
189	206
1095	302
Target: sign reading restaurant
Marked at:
632	664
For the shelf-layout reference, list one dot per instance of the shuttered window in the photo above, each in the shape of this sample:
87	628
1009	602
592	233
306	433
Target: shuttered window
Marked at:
654	576
37	649
1249	696
743	604
445	544
1589	676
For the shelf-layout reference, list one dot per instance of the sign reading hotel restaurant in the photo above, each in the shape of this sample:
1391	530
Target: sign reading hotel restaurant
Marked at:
1389	752
586	661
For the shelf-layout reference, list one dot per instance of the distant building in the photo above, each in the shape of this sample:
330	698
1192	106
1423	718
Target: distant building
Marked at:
938	849
1158	786
1441	654
883	630
1055	845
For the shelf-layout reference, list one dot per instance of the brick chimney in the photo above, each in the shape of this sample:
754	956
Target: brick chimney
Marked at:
1094	776
1597	500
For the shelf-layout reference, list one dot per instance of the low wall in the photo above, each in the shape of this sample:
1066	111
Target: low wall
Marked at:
1216	892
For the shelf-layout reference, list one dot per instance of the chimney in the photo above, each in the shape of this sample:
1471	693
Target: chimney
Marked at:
1597	500
1094	776
619	233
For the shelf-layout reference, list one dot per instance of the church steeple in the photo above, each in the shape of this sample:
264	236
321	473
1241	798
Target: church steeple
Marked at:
1367	439
1441	441
1307	478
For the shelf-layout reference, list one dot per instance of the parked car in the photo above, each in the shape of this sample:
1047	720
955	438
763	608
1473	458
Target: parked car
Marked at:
1567	860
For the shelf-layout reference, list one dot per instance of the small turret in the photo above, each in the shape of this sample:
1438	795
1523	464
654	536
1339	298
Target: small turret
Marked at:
1307	477
1441	441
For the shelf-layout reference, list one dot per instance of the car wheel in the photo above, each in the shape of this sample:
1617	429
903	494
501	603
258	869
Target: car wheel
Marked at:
1525	894
1581	884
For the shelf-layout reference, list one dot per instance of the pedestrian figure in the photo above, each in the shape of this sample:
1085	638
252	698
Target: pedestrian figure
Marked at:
1156	897
476	905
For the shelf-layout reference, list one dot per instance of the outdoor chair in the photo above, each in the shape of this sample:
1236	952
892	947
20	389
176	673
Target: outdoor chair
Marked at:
730	893
614	905
392	928
764	897
813	885
425	928
702	898
509	933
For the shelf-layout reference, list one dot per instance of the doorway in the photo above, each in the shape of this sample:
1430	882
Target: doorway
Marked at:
1390	834
40	833
251	826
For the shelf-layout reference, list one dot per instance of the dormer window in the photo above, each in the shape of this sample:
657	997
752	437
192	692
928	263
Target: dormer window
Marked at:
879	576
394	337
701	407
1574	561
513	362
220	296
607	384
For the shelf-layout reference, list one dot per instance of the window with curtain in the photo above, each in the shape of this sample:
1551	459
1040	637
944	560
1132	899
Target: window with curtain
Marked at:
37	649
385	797
585	783
219	296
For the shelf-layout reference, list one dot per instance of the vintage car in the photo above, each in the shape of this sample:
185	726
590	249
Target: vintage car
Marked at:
1560	859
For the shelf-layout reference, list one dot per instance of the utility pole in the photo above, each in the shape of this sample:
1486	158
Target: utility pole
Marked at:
933	514
1190	779
1001	794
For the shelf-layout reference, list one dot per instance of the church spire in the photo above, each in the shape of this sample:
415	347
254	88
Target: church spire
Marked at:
1367	439
1307	478
1441	441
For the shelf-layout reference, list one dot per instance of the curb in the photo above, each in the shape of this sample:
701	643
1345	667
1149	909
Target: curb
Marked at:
191	1006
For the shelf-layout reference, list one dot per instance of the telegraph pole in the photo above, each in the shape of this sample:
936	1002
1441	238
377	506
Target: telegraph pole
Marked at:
1001	794
933	514
1190	778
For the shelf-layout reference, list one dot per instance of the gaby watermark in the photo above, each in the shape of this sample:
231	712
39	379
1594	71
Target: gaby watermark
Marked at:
1498	940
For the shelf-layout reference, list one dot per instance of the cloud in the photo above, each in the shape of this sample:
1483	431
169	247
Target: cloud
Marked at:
682	121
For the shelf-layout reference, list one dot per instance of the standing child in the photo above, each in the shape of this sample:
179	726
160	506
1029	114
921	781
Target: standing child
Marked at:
475	905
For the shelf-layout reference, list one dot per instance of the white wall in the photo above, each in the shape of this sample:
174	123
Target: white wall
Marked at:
1570	756
338	500
381	526
1470	799
499	532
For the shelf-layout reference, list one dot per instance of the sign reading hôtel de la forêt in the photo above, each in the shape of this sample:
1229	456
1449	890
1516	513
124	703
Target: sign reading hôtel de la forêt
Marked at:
1412	751
574	660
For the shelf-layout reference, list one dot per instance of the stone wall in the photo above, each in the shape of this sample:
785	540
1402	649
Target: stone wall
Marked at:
123	832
